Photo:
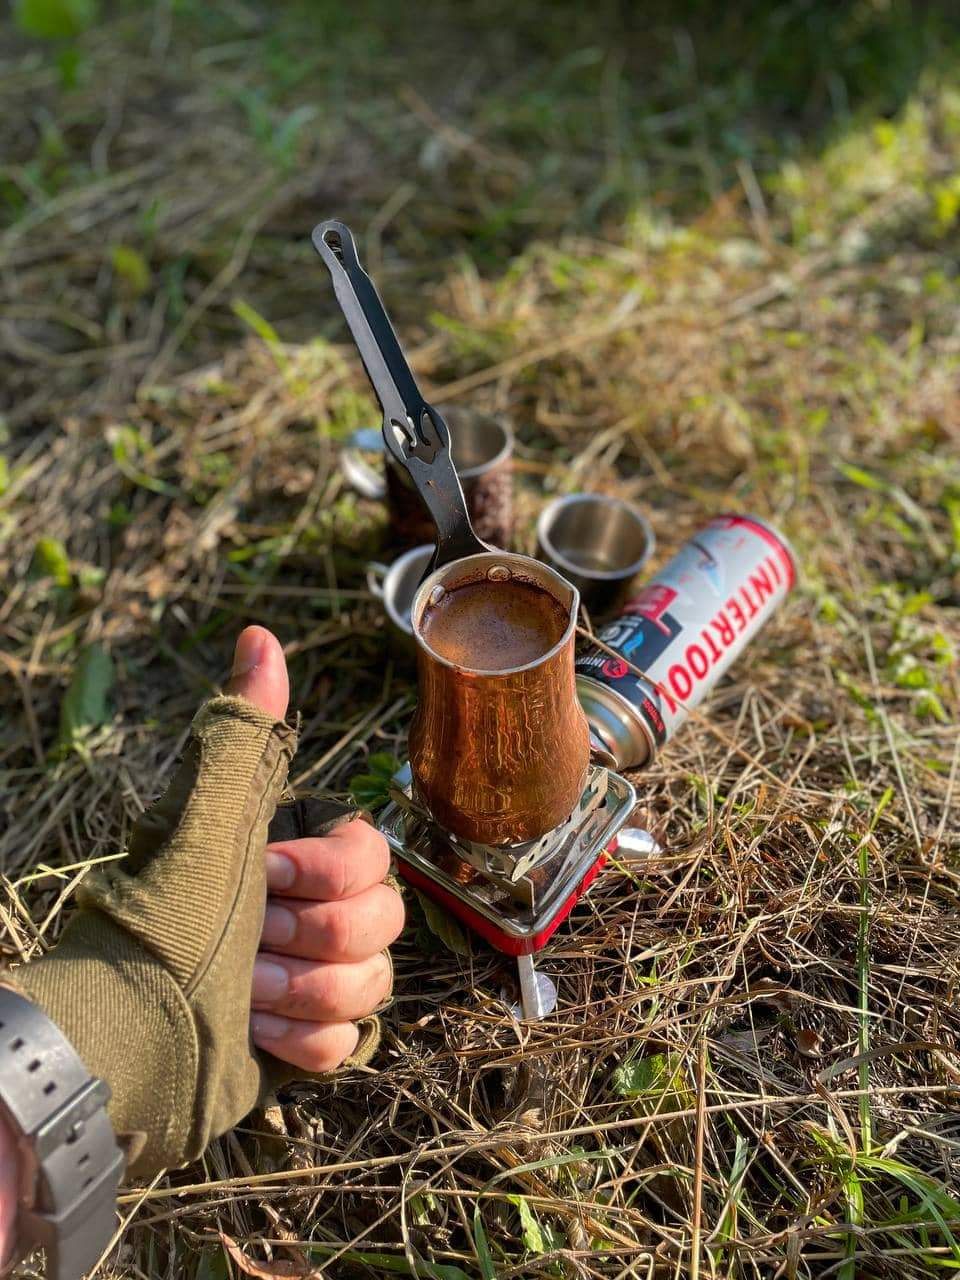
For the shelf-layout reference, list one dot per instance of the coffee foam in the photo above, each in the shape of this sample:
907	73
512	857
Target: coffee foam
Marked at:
493	625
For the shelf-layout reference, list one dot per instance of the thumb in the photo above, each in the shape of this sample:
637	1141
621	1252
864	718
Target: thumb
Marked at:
260	672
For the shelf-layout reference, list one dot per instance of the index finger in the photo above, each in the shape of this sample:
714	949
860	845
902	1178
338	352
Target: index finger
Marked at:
352	858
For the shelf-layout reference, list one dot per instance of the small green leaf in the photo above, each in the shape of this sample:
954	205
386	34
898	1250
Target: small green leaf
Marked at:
132	268
390	1262
533	1236
4	475
262	327
487	1267
69	62
858	696
863	478
444	927
51	559
658	1078
212	1266
54	19
929	707
133	453
910	675
383	765
951	504
422	1207
484	1256
914	602
371	790
367	791
284	141
91	576
85	704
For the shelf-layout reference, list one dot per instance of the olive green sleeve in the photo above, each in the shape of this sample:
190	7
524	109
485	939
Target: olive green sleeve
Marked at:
151	978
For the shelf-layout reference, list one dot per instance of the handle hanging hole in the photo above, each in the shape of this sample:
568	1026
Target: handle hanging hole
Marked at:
332	240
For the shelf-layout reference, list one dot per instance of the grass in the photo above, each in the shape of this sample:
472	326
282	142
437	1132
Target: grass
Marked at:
702	260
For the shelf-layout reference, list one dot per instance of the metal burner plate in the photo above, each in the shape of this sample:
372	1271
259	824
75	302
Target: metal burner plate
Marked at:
417	841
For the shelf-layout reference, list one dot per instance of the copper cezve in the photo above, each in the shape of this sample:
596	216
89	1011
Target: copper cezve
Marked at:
499	755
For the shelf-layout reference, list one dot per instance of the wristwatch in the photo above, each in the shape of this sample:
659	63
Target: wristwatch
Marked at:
70	1162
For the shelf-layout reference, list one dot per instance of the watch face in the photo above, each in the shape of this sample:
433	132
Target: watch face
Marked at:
60	1103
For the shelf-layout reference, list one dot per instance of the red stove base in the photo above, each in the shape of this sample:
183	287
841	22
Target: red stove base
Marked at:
498	938
514	898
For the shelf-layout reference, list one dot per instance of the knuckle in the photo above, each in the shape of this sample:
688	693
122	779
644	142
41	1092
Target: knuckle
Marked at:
338	928
337	875
332	1049
394	910
385	981
350	850
366	835
374	849
320	1059
330	990
354	832
376	988
380	850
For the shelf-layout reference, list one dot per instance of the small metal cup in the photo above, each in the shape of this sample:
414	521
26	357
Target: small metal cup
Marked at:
482	451
598	543
395	586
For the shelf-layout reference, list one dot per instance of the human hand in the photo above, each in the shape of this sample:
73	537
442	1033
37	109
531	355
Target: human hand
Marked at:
322	964
152	977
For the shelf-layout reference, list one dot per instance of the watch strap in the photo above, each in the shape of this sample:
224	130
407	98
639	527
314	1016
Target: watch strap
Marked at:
59	1110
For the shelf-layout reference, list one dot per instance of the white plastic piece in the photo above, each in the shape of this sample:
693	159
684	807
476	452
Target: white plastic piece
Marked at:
538	993
361	477
635	845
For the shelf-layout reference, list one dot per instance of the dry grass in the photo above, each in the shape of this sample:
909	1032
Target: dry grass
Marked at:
754	1067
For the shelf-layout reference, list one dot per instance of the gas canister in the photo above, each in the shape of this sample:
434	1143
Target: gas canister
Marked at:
683	631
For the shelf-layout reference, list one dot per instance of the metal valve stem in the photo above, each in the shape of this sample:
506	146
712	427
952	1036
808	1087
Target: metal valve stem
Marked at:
538	993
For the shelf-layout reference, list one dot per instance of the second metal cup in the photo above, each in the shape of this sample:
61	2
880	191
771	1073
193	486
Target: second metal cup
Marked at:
482	451
395	586
598	543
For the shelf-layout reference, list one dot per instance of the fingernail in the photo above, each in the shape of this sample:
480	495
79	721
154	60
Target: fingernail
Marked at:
267	1026
249	651
281	871
270	982
279	926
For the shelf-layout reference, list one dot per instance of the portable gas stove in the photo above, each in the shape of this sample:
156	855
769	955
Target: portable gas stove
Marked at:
515	896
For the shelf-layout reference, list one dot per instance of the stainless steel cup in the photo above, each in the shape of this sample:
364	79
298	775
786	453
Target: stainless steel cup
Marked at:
598	543
395	586
482	451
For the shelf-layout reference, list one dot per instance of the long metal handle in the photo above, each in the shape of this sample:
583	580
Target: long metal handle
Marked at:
413	431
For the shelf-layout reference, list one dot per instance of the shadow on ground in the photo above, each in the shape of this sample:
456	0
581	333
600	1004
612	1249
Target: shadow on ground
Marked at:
170	159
